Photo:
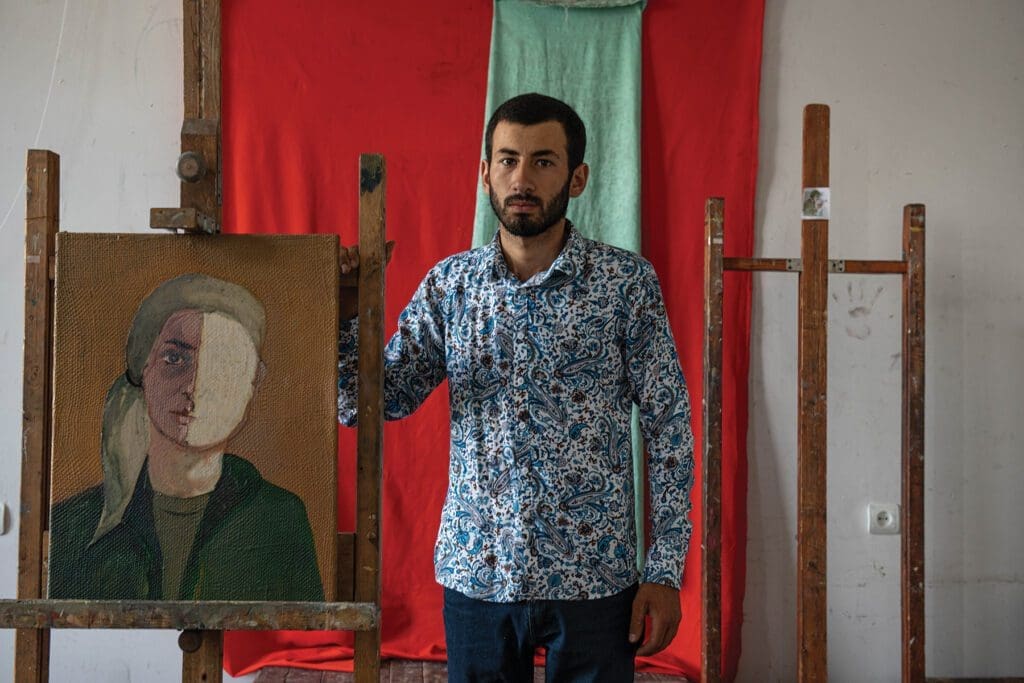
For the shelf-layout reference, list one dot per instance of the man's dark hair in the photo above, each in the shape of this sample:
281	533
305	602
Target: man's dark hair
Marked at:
533	108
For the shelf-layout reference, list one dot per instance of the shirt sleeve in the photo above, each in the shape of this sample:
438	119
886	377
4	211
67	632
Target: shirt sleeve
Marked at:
414	358
657	386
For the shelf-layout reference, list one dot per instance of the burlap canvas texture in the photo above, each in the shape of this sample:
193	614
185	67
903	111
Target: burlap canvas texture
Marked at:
290	435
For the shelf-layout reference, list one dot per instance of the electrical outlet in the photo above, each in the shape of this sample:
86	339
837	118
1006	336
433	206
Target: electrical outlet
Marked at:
883	518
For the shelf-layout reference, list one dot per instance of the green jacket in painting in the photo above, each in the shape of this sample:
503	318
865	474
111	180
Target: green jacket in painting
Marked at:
254	543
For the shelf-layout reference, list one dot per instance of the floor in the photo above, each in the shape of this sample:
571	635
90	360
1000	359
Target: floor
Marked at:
403	672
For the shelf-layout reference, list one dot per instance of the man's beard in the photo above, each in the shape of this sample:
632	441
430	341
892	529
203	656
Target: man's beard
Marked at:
523	225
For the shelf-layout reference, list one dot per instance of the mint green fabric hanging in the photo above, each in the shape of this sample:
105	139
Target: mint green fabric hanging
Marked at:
587	54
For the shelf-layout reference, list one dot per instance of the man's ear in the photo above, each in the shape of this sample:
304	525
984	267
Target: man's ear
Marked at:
485	178
578	181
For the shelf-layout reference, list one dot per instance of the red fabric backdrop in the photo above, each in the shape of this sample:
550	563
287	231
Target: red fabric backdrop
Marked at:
309	86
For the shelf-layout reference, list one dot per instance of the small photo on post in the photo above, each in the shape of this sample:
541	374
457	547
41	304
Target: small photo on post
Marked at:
816	202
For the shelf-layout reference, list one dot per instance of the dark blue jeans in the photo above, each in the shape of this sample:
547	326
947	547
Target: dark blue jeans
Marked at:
586	640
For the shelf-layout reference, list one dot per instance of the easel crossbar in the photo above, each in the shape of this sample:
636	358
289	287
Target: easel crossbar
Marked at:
198	615
795	265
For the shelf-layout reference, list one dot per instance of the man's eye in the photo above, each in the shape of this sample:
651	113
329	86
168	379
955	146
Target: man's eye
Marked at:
545	163
507	162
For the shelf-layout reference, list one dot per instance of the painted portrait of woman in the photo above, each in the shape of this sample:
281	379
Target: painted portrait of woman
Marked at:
178	516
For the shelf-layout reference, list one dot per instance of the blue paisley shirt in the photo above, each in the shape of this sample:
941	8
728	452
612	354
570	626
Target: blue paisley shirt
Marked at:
542	376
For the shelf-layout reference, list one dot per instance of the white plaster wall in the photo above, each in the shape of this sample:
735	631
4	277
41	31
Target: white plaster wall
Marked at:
927	106
99	82
927	101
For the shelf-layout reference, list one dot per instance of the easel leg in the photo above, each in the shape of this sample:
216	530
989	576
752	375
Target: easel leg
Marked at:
812	606
32	647
32	655
367	659
912	539
371	406
711	460
202	656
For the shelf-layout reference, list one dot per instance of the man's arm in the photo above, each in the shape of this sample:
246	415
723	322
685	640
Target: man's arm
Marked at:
414	359
657	386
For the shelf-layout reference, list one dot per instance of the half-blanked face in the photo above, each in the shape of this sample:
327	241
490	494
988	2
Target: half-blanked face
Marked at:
199	378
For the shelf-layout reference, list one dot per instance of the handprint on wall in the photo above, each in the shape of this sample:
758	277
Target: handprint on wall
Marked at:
859	309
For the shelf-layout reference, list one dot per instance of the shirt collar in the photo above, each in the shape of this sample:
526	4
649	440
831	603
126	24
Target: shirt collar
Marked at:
566	265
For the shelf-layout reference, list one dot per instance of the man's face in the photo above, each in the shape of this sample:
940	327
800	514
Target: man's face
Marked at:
199	378
528	178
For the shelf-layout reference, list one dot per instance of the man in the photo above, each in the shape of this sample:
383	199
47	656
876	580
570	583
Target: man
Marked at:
546	339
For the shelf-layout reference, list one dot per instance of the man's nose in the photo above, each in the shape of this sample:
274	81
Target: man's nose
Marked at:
522	180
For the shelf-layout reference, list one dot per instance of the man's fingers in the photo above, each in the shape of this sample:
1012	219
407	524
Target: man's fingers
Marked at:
658	638
661	603
348	258
636	620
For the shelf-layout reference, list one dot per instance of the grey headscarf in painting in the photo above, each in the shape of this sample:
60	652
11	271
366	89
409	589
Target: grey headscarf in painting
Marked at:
125	437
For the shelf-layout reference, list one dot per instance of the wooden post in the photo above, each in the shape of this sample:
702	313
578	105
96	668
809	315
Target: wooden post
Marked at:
812	609
912	494
32	646
199	165
711	459
203	654
199	171
370	438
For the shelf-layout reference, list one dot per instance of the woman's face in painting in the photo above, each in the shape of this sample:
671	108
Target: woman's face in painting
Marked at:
199	378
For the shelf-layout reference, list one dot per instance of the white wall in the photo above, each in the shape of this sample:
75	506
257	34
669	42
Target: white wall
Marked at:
99	82
927	106
927	103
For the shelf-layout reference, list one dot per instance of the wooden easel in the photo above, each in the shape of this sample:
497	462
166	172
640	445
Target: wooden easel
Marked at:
813	268
202	623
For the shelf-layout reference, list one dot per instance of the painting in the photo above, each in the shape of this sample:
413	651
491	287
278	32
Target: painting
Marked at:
194	431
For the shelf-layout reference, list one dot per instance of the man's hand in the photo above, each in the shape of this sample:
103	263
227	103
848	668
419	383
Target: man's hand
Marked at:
661	604
348	262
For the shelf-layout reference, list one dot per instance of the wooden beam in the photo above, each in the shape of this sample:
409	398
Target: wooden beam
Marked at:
201	34
855	267
42	214
200	615
199	165
812	607
204	652
847	266
711	459
912	450
765	264
188	220
370	439
346	547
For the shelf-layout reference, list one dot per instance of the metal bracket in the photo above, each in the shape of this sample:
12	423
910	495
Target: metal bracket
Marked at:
836	266
794	265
